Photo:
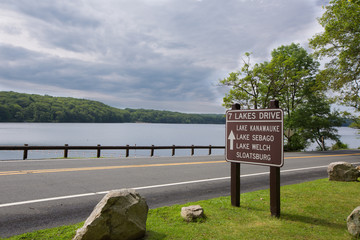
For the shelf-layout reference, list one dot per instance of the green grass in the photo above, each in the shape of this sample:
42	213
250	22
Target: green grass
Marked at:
312	210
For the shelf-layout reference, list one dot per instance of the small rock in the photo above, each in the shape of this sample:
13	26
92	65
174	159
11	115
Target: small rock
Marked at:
342	171
192	212
353	222
121	214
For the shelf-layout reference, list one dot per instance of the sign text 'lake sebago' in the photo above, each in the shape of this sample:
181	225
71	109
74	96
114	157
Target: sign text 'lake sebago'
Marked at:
255	136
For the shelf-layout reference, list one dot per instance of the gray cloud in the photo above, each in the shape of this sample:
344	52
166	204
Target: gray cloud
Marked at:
159	54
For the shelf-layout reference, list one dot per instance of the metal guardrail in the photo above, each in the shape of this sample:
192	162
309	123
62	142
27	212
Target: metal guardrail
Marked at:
98	148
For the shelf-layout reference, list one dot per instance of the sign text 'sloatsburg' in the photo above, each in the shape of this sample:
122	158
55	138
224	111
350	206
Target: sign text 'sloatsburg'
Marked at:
255	136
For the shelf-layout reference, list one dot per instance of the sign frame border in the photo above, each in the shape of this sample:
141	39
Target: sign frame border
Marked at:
256	110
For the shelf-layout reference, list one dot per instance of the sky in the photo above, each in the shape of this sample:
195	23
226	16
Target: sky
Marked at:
152	54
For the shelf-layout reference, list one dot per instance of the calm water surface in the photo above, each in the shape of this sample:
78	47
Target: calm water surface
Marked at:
122	134
119	134
350	136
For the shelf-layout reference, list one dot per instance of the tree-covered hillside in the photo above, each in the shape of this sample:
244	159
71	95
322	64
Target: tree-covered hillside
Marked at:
20	107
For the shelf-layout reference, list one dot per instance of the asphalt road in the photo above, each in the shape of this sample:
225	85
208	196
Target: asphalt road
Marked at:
37	194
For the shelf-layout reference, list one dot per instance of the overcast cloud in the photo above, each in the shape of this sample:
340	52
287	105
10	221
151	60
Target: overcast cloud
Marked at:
157	54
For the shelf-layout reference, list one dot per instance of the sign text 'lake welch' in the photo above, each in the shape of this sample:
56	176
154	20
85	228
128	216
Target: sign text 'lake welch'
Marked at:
255	136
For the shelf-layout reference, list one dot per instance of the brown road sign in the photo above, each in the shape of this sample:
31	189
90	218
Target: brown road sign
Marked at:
255	137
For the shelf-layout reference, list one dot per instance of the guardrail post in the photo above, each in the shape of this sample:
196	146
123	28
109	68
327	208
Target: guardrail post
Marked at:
127	151
173	150
98	151
66	150
152	151
26	148
25	155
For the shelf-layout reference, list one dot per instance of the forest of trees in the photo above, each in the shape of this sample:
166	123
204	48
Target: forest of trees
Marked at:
21	107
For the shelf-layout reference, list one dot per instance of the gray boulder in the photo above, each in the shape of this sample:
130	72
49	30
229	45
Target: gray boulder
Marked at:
121	214
353	222
342	171
192	212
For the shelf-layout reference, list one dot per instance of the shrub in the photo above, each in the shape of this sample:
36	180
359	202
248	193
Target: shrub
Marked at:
339	145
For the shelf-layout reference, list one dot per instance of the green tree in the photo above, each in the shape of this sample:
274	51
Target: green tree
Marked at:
340	42
5	115
247	85
316	122
293	71
290	77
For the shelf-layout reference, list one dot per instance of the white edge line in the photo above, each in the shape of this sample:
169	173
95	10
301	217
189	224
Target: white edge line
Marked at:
153	186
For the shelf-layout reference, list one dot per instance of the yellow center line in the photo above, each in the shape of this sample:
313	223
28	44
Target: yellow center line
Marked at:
100	168
6	173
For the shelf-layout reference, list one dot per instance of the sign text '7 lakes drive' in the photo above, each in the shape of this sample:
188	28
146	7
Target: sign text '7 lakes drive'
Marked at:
255	136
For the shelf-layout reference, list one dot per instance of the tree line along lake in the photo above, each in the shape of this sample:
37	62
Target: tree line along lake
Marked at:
121	134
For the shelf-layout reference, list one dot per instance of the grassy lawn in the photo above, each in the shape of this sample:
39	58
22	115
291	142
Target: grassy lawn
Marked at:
312	210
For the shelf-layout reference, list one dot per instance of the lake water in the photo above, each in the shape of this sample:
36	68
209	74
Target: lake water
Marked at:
121	134
109	134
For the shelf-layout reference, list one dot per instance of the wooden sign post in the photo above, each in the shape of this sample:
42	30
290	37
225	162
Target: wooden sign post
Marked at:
255	137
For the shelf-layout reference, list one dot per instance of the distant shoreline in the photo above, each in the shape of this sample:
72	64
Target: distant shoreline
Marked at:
22	107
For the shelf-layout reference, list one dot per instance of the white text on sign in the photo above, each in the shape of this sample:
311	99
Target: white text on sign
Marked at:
255	136
255	116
